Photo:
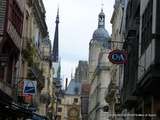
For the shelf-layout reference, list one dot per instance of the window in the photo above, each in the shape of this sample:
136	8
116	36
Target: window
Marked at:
16	16
59	109
75	100
146	27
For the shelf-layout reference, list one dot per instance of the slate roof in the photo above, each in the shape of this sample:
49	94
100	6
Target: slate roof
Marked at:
73	87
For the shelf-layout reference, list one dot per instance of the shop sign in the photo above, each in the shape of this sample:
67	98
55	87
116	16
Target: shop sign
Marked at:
29	87
118	57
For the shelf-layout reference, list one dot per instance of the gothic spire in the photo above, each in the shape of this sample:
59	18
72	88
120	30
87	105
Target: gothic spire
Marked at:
56	39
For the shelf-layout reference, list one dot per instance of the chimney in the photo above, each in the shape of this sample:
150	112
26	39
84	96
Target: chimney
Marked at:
66	84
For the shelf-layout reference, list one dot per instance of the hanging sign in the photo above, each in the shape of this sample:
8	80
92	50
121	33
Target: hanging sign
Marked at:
118	57
29	87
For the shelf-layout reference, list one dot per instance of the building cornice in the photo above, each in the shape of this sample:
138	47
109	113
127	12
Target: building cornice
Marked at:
40	17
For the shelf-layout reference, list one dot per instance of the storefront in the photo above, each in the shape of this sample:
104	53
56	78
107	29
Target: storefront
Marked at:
11	111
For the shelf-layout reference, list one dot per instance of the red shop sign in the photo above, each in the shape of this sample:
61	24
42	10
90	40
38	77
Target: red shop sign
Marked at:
118	57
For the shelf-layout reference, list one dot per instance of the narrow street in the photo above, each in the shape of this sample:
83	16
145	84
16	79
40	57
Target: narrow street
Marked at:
79	60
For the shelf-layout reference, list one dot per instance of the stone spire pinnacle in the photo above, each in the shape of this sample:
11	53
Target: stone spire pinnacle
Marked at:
56	40
102	5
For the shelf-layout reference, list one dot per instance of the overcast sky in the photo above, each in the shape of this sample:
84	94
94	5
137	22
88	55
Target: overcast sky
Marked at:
78	20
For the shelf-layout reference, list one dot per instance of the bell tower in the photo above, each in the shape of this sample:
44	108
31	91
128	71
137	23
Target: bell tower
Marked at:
101	19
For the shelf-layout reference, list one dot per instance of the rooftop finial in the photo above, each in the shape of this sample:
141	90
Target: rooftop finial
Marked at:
57	18
102	5
58	9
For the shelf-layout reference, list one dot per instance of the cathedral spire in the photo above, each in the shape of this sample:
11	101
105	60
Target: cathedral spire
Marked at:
57	18
56	39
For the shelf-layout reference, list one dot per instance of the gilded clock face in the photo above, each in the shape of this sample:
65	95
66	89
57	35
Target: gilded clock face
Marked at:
73	112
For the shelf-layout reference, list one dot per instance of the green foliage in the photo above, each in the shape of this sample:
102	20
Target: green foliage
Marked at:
29	53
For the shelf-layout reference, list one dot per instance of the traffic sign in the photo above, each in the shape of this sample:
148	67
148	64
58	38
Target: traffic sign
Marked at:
30	87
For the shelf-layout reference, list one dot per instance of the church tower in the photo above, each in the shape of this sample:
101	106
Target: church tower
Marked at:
99	69
55	52
98	42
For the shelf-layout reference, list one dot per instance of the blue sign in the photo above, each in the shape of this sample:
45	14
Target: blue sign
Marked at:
29	87
118	57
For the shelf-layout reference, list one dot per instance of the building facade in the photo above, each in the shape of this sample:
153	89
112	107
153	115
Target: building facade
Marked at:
32	62
131	45
139	92
69	106
11	38
113	91
99	70
23	34
81	74
46	93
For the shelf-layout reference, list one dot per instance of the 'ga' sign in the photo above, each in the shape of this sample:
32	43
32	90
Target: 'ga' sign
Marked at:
118	57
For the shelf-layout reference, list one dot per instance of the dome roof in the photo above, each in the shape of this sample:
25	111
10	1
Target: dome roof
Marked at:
100	34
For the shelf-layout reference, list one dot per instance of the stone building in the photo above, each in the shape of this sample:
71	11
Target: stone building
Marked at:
131	45
23	31
81	74
141	74
70	103
12	14
46	93
32	62
113	91
73	104
99	70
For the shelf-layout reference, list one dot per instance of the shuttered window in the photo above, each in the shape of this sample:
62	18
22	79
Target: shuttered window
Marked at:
147	27
16	16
